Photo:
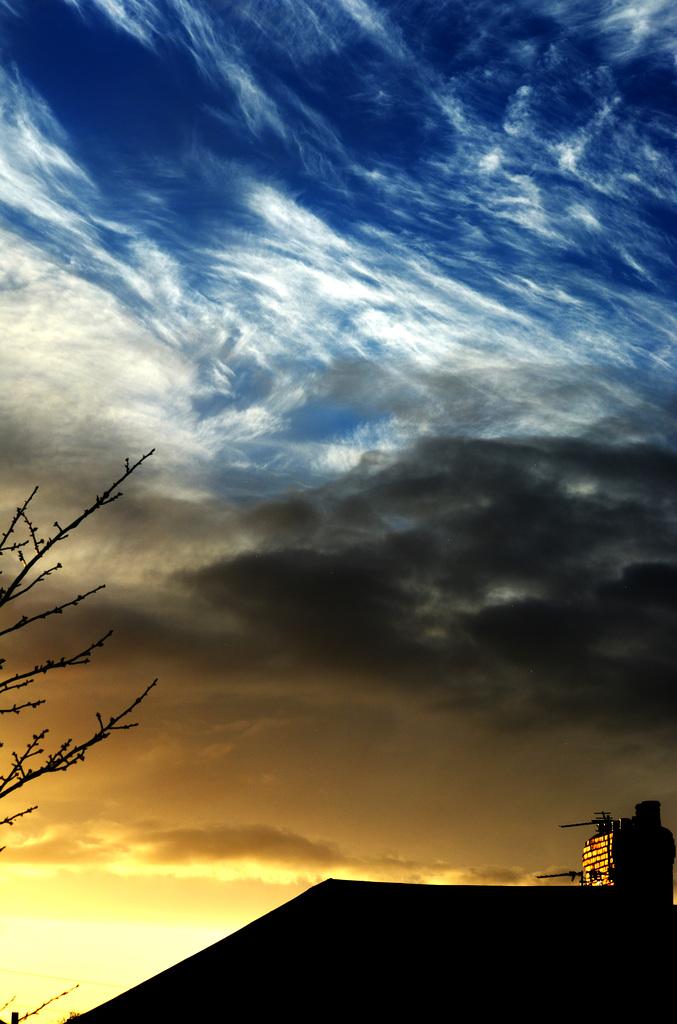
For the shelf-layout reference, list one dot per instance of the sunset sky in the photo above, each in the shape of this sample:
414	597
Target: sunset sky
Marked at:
389	286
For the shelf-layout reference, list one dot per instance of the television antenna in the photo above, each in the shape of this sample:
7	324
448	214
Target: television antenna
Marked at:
604	823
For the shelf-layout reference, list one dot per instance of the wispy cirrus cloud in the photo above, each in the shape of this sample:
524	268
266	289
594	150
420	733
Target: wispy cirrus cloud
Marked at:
279	289
634	29
137	18
37	175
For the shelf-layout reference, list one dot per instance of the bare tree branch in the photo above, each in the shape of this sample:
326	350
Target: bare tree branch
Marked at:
67	755
32	762
21	679
48	1001
11	818
19	513
25	620
41	547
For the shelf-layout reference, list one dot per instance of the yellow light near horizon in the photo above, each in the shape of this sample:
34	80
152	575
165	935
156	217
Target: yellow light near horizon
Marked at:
46	957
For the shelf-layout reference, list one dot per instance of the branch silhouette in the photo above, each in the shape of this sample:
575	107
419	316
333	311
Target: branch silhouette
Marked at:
23	538
47	1002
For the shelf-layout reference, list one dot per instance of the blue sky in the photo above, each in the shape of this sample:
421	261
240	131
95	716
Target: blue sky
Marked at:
390	287
273	192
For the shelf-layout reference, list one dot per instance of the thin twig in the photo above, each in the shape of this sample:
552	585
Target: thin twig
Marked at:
26	620
47	1003
67	755
32	761
42	547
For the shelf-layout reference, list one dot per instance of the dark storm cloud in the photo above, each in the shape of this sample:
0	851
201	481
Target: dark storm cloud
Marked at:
533	582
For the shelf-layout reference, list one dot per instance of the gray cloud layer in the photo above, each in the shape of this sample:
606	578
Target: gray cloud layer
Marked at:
533	582
255	848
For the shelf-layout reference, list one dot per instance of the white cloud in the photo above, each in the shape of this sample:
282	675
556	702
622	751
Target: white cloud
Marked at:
279	289
375	23
343	454
78	371
569	155
37	175
296	226
518	115
491	161
640	27
135	17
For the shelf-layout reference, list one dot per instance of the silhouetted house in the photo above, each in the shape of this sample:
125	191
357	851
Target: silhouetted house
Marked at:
378	951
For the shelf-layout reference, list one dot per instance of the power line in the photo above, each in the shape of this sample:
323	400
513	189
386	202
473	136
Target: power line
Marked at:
57	977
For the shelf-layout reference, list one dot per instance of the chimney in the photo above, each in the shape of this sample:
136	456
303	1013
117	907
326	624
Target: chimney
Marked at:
635	856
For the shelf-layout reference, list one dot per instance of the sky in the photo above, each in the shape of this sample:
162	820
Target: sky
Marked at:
390	289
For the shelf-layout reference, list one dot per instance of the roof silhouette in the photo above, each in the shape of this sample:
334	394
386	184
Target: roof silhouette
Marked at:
367	950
